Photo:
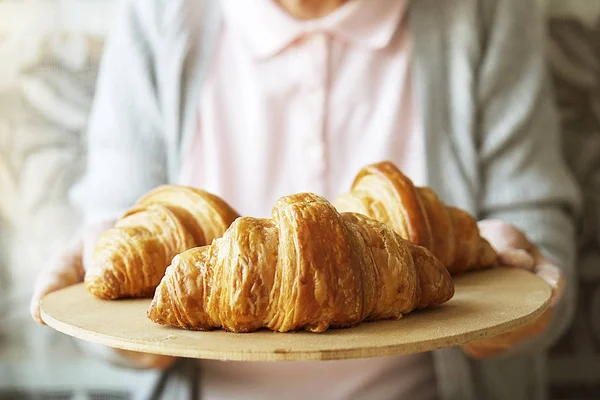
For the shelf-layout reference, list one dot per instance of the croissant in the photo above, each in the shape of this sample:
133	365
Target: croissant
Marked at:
382	192
130	259
309	267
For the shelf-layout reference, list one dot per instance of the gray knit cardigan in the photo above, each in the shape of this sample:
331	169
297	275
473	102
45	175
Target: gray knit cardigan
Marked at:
492	144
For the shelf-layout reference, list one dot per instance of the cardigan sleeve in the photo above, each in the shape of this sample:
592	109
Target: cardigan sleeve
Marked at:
126	154
525	180
125	139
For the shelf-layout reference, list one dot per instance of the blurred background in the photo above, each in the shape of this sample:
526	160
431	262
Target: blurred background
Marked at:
49	55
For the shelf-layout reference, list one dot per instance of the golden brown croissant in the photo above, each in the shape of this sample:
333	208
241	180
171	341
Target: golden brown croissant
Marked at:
382	192
308	267
130	259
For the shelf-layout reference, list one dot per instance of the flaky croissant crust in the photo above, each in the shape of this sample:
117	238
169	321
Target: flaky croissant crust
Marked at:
130	259
381	191
308	267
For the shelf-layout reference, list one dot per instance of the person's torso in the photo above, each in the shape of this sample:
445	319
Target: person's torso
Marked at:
306	119
445	79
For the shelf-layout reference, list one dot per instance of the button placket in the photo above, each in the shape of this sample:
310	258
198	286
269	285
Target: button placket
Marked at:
314	144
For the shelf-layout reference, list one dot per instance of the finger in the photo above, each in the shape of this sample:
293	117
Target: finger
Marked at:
490	224
546	269
551	274
45	284
63	270
34	310
555	279
483	351
504	236
146	360
517	258
36	299
495	345
486	348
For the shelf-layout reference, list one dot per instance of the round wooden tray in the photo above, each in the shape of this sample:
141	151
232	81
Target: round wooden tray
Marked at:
486	303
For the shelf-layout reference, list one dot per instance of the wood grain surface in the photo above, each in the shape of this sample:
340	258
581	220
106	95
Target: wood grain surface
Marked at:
486	303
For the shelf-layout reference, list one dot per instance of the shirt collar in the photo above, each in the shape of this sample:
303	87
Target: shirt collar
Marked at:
267	30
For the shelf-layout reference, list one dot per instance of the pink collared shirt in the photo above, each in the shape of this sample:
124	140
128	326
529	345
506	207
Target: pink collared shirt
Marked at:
293	106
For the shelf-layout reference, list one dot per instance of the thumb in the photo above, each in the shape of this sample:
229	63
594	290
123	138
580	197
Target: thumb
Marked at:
518	258
64	269
503	236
